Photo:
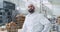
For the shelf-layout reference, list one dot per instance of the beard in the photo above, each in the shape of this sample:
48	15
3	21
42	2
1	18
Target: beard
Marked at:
31	10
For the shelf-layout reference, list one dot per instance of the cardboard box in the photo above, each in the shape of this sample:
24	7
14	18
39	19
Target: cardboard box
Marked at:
12	27
20	20
58	20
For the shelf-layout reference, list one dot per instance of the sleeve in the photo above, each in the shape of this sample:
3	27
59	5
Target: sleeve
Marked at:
24	28
47	25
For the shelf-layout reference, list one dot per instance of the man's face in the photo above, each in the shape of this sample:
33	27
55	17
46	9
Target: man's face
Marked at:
31	9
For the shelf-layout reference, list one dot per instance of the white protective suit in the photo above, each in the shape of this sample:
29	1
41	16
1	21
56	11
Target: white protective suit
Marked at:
36	23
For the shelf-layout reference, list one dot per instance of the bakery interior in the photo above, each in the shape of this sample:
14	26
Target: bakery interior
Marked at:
13	13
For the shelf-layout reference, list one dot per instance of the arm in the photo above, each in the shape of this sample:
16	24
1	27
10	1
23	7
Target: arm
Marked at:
46	23
46	28
24	28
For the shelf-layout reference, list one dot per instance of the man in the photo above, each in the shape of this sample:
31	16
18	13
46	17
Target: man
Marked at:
35	22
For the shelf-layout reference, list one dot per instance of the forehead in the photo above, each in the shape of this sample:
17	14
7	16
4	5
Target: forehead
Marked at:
30	5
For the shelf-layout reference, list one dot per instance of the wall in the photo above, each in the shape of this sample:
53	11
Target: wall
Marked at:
56	10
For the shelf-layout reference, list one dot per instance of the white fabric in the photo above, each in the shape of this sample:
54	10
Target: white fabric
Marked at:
36	23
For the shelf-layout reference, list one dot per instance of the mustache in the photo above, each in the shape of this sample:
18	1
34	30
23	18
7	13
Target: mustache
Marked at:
31	10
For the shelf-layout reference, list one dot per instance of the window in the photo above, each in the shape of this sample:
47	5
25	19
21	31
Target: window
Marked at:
9	17
0	13
0	17
1	21
9	13
6	10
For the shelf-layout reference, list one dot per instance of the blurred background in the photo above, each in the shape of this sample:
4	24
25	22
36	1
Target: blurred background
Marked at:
16	10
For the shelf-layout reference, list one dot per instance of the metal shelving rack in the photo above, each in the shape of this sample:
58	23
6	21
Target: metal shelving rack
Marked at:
6	11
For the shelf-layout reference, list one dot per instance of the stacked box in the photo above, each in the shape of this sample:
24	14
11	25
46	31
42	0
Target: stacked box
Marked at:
11	27
53	31
58	20
19	21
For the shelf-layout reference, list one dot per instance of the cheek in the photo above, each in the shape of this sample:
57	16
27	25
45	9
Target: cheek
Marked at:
28	8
